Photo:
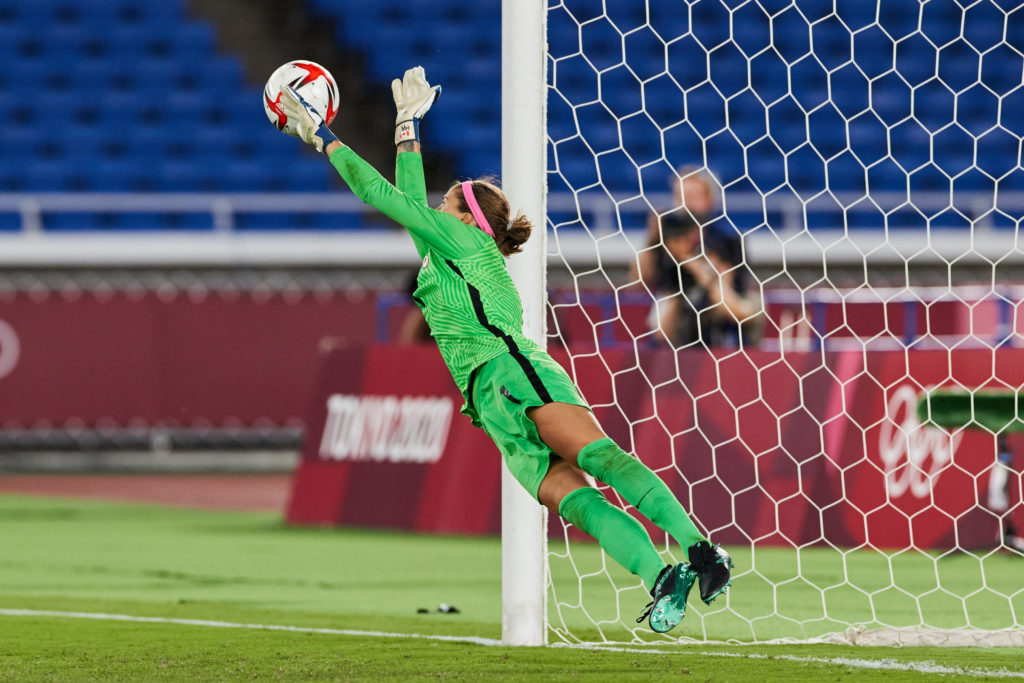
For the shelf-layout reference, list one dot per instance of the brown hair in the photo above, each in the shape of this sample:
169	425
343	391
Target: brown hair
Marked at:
508	233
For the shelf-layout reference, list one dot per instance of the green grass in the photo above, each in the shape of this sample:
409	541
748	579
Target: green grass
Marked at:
73	556
783	593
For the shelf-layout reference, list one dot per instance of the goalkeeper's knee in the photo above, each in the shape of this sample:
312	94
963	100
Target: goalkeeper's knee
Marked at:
640	486
606	461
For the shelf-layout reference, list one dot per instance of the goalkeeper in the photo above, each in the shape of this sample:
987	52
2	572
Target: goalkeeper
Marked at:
514	390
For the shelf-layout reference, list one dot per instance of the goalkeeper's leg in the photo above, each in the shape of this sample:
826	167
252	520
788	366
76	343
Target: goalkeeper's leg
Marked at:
641	487
646	491
565	491
573	433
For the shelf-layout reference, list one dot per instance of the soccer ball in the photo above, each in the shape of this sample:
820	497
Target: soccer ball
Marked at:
316	85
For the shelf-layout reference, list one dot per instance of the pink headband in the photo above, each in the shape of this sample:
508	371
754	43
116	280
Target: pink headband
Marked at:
474	208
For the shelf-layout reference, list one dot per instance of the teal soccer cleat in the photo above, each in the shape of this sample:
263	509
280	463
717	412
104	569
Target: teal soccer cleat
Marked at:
670	592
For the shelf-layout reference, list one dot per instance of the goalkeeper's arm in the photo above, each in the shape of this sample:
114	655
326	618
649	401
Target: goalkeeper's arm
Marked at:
429	228
364	180
309	124
409	179
413	98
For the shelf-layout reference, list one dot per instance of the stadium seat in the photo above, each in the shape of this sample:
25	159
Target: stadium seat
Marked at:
114	175
178	176
11	179
158	67
48	175
271	221
306	175
10	221
42	13
577	172
78	222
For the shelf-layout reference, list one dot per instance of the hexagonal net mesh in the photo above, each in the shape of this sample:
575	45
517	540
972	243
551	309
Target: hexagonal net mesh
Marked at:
786	276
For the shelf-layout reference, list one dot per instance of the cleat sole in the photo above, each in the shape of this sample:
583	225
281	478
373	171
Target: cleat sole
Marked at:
669	611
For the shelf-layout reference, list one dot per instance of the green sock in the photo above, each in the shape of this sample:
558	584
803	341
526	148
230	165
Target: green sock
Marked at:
620	535
641	487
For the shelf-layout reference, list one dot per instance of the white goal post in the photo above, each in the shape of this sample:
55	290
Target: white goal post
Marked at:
524	568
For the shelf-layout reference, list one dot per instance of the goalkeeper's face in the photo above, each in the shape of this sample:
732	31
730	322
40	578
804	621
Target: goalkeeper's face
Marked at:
450	205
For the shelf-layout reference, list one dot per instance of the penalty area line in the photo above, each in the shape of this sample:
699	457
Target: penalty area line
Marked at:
925	667
100	616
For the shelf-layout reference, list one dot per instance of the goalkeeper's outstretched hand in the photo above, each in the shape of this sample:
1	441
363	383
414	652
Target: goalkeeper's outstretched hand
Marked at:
308	122
413	97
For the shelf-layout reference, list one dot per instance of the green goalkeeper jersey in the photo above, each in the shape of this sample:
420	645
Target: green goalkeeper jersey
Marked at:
463	287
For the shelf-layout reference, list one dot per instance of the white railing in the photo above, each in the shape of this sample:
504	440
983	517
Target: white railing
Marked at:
785	238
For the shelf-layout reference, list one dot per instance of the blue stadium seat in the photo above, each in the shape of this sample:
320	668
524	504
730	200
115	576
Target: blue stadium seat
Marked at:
748	129
622	101
11	39
806	173
115	74
179	176
751	37
577	171
998	152
41	13
47	175
267	221
626	15
79	222
10	221
141	68
308	175
156	74
116	175
973	180
886	176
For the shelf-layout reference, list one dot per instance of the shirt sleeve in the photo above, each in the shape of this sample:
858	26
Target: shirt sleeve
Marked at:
430	229
409	178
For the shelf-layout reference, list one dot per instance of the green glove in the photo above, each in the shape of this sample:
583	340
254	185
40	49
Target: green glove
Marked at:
413	97
309	123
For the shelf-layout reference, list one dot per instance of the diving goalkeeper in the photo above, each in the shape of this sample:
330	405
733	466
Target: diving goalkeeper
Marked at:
513	389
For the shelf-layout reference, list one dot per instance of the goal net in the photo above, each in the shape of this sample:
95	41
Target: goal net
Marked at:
784	270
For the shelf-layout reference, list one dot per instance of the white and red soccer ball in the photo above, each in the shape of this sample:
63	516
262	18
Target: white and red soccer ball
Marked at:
316	85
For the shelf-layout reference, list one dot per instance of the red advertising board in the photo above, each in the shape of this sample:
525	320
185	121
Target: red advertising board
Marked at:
177	357
769	447
773	446
386	446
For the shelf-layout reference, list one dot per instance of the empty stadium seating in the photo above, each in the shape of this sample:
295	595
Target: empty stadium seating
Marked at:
133	95
874	100
926	97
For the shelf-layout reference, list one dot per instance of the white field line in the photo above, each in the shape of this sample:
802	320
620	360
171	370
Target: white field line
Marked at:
924	667
228	624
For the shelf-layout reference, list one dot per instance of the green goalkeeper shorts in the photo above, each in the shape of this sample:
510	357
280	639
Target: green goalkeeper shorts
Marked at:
502	390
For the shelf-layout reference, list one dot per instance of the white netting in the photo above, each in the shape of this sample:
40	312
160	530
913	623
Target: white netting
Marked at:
852	443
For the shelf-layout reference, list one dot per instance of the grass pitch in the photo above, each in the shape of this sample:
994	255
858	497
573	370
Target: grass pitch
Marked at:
89	559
